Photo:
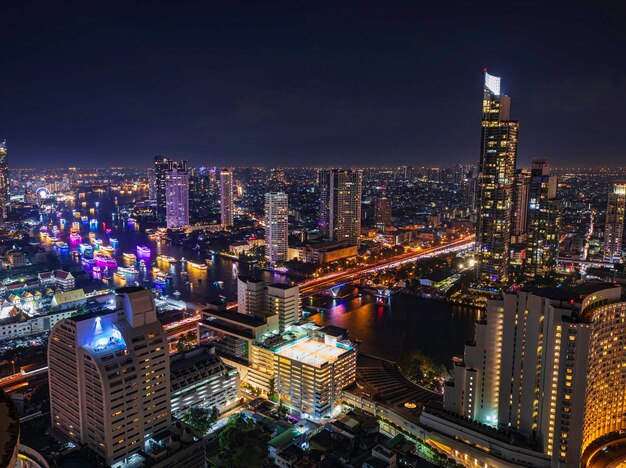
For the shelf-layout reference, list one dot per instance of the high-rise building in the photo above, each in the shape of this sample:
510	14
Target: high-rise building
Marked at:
284	300
226	197
109	377
161	166
519	225
177	196
382	211
250	295
276	227
614	228
340	204
4	181
494	201
545	372
542	245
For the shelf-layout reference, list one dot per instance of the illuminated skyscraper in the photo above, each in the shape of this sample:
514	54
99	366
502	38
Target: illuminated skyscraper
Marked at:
382	211
226	197
4	181
520	205
543	221
546	369
161	166
340	204
177	196
614	229
494	200
109	377
277	227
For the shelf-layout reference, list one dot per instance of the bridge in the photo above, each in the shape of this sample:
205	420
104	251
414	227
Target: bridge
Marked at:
334	281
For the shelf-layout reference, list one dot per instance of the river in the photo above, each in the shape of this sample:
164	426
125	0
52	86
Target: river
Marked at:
404	324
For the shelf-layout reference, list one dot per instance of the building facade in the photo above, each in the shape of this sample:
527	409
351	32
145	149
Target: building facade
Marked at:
284	301
276	227
521	191
4	181
494	200
340	204
544	216
382	211
614	228
538	372
177	197
227	183
109	377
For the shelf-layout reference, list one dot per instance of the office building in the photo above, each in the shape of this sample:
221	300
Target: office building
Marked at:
542	246
161	166
199	377
494	198
276	227
250	295
109	377
177	197
4	181
340	204
382	211
541	384
519	224
614	228
284	301
226	197
312	372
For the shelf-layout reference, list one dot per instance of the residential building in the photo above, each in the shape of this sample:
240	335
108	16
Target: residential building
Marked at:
519	224
284	301
542	246
276	227
4	181
109	377
250	295
614	228
340	204
227	207
177	196
496	176
382	211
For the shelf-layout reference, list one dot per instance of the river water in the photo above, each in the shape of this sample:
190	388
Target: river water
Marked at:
402	324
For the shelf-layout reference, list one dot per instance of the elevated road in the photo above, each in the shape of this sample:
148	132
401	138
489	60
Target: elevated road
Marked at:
317	285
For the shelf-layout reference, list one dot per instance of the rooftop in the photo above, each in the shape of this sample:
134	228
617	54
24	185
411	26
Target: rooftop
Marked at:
312	352
575	292
241	319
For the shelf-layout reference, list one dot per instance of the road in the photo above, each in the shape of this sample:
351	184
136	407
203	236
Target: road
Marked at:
318	285
24	381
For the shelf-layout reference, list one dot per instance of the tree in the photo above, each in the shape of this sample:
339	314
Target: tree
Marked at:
201	419
271	394
422	370
242	444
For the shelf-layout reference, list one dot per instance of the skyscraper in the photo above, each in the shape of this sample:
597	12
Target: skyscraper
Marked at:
109	377
382	211
161	166
543	221
226	197
545	368
614	228
284	301
340	204
521	191
177	196
494	201
4	181
276	227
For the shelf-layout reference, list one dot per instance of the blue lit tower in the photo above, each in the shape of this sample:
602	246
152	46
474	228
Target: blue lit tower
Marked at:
496	176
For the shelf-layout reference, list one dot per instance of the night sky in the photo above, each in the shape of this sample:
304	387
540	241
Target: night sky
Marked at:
303	83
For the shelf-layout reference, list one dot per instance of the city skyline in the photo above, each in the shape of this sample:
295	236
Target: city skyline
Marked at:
230	100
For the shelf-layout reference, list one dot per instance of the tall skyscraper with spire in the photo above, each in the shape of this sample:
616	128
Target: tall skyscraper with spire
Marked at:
226	197
498	157
4	180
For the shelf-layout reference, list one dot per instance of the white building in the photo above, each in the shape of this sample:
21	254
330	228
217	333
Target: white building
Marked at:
276	227
614	227
227	207
251	294
284	301
109	377
529	373
177	197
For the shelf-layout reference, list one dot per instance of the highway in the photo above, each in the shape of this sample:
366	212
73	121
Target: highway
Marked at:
318	285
